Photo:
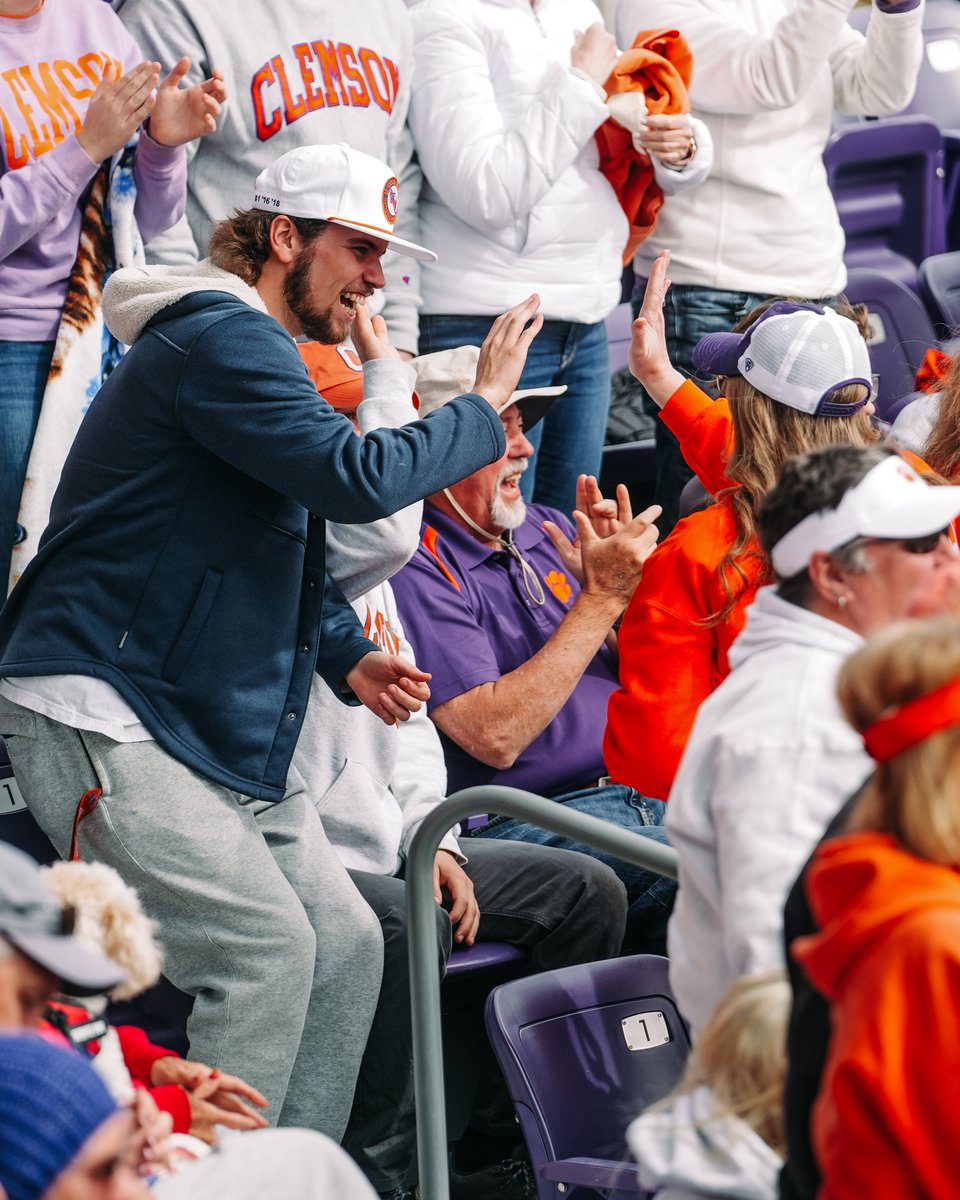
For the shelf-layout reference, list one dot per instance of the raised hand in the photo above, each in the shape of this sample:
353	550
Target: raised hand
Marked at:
605	516
595	53
117	107
504	351
612	566
184	113
648	357
389	686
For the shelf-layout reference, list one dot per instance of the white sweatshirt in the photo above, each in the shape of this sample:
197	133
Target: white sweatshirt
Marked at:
513	200
769	762
372	783
298	73
767	76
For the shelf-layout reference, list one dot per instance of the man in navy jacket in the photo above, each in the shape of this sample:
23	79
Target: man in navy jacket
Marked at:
160	646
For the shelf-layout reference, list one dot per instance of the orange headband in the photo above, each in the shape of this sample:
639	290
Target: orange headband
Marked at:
913	721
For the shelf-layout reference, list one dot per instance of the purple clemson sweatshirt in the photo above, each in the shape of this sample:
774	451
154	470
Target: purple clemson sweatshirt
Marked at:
50	64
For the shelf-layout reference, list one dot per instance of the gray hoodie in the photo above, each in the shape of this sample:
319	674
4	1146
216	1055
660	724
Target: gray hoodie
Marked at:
688	1152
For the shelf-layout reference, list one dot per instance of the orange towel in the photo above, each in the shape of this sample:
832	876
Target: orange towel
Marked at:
660	65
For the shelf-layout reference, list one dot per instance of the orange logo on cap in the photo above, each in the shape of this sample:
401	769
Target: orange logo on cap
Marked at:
391	199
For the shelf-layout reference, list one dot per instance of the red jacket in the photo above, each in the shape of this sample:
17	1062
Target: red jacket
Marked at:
888	959
139	1055
671	659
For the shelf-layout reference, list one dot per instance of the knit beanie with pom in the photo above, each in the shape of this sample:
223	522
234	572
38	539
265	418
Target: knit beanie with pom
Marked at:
51	1101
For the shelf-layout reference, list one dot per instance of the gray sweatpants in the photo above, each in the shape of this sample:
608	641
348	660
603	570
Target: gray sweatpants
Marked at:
258	919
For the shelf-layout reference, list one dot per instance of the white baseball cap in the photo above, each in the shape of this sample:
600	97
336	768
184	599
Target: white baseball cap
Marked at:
448	373
32	920
890	501
336	183
797	354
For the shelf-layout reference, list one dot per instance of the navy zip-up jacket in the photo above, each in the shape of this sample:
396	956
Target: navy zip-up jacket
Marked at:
184	559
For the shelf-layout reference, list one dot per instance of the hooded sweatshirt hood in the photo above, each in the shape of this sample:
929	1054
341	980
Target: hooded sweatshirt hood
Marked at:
862	888
775	623
134	295
688	1151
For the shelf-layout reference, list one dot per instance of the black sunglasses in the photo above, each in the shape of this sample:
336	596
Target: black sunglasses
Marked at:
919	545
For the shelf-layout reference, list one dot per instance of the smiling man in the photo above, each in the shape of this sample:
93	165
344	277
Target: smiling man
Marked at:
158	652
515	623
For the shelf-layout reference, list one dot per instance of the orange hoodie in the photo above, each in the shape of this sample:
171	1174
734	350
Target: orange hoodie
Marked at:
671	658
888	959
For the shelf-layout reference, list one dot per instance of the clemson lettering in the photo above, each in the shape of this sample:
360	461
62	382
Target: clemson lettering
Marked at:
325	75
36	112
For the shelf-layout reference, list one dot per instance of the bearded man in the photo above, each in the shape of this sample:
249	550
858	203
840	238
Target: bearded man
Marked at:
157	654
512	610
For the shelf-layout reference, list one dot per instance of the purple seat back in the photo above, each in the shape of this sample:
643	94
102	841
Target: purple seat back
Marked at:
583	1050
940	290
887	180
900	332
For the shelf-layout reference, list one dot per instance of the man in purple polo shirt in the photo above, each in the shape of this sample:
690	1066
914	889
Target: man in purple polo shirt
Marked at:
515	626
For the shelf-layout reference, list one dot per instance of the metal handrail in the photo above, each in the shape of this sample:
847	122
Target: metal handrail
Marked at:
424	968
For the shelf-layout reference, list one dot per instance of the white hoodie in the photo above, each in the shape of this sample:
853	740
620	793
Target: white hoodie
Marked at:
687	1152
769	762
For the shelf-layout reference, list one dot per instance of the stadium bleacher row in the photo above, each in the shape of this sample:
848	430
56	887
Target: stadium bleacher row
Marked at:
896	182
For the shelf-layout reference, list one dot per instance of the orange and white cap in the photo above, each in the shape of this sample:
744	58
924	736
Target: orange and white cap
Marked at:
336	183
337	374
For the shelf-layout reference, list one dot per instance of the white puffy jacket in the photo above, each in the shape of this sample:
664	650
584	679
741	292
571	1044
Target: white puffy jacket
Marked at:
513	199
767	75
769	762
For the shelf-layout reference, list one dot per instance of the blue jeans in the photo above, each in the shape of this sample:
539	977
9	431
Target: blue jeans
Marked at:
23	369
569	439
649	895
690	313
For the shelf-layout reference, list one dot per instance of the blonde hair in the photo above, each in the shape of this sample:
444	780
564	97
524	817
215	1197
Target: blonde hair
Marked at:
942	451
741	1055
913	796
765	434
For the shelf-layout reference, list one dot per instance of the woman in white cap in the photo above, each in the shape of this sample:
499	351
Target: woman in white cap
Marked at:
798	377
858	540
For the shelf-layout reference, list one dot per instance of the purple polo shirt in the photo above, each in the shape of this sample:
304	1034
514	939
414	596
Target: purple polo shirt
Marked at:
468	617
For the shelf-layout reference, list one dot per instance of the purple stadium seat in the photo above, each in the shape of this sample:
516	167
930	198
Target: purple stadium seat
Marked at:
940	291
583	1050
483	956
900	332
618	335
887	179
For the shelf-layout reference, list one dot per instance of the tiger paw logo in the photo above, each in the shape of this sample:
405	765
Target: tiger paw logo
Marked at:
556	581
391	200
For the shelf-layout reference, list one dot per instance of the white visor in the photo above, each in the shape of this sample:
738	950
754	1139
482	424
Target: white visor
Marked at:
891	501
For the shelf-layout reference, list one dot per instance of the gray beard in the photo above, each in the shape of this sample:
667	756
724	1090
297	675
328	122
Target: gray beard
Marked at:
505	515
